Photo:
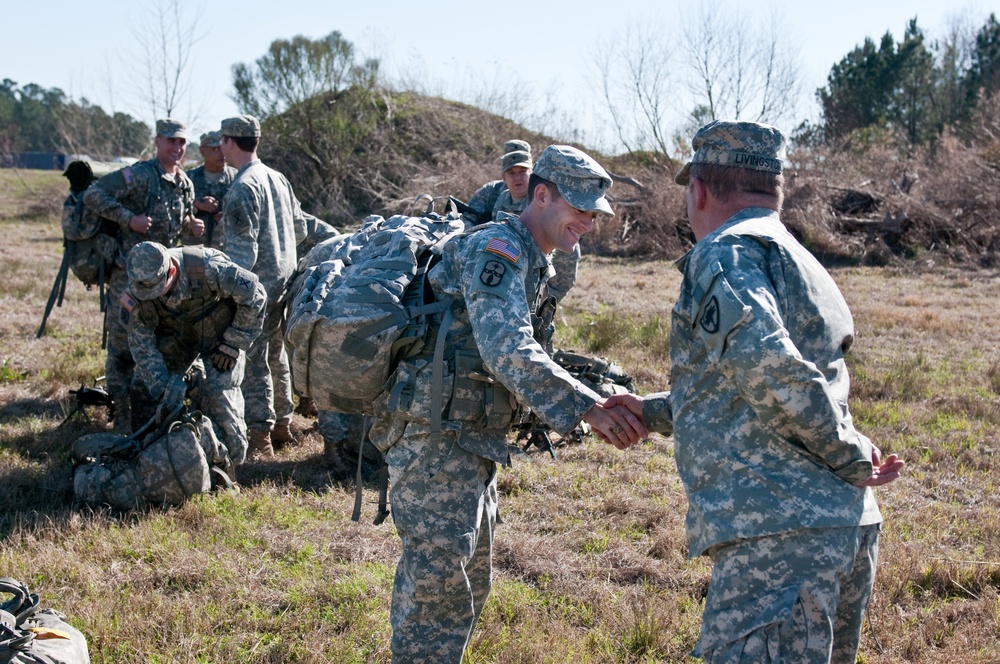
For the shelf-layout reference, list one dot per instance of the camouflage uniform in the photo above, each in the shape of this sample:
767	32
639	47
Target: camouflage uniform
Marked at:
213	301
262	225
444	493
143	188
765	444
215	185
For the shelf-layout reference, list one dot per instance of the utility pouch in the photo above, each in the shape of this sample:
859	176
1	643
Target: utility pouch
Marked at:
467	390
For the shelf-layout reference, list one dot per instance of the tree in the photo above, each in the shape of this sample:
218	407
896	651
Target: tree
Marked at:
163	70
317	100
739	70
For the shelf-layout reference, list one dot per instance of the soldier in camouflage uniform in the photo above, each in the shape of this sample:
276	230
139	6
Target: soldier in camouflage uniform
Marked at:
778	479
442	448
509	194
150	200
263	223
211	181
188	304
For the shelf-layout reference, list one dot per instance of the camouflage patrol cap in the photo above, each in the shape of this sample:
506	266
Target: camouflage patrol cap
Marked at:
580	179
170	128
242	126
515	158
750	145
516	145
148	269
211	139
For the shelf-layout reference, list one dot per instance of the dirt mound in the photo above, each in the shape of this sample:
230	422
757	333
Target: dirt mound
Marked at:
876	205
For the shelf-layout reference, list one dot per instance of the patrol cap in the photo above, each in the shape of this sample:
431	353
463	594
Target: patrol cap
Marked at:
580	179
242	126
515	158
148	269
170	128
752	145
516	145
211	139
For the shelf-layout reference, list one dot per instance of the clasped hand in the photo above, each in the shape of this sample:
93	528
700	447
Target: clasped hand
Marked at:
616	424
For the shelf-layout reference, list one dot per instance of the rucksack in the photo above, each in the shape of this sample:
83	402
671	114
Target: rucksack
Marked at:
29	634
90	242
362	305
159	466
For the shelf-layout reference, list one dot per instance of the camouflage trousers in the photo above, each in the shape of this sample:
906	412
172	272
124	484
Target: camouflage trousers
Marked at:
119	365
218	397
267	387
795	597
444	506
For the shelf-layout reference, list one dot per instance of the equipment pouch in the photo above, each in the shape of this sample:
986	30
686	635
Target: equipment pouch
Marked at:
467	390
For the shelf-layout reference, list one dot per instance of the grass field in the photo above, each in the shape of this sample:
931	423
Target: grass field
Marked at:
591	559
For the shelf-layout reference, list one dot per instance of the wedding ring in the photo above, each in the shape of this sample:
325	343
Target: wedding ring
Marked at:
617	429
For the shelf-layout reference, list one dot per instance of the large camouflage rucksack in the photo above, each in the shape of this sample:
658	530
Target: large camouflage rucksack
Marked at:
90	242
32	635
360	306
158	466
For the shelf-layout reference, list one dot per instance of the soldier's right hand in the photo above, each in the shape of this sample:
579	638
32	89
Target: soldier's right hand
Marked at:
225	357
140	223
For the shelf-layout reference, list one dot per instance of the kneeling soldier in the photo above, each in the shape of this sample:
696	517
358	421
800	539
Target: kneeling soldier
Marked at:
186	304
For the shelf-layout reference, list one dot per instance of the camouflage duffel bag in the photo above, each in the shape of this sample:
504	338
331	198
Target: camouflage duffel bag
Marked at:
165	467
32	635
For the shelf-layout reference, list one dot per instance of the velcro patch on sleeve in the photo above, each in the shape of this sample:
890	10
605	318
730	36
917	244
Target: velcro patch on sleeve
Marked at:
128	175
128	302
503	249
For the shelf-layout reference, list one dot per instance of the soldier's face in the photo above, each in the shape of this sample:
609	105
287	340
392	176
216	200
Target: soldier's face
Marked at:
516	179
170	151
563	224
215	161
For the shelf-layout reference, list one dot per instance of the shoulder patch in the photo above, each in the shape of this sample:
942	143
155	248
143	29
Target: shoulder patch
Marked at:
503	249
128	175
127	301
492	273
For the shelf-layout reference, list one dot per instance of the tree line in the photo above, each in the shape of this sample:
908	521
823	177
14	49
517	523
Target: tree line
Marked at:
36	119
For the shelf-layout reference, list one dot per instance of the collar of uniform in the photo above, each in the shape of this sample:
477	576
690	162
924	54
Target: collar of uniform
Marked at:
536	259
246	166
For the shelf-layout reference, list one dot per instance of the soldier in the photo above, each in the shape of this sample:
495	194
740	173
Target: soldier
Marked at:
263	223
186	304
443	474
149	200
778	479
509	194
211	181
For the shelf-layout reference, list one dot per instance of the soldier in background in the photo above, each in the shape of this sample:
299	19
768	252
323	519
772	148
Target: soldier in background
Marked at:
509	194
262	224
443	473
778	480
149	200
191	304
211	181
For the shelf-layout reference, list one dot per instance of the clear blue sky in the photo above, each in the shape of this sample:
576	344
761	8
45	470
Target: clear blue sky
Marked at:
86	48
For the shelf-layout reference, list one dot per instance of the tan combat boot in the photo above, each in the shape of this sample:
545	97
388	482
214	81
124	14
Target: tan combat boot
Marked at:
281	435
260	445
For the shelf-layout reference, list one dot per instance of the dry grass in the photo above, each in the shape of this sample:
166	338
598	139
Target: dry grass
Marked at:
591	559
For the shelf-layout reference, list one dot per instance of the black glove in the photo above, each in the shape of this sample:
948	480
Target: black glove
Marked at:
173	394
225	357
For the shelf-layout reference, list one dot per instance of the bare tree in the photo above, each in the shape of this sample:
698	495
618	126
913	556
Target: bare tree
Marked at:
166	33
634	84
739	69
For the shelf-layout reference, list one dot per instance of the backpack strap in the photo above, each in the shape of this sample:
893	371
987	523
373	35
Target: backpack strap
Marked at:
194	267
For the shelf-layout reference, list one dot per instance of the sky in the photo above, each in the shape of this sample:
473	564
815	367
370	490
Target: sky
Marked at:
456	49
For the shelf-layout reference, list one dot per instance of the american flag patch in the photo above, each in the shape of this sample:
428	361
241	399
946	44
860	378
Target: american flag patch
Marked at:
127	175
127	301
501	248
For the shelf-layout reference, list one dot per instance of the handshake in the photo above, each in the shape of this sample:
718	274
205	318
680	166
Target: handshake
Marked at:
618	420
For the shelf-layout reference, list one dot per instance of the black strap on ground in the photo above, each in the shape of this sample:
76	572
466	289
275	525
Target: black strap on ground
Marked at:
58	289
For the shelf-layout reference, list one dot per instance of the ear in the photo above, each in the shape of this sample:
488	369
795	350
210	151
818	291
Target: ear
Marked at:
700	192
542	194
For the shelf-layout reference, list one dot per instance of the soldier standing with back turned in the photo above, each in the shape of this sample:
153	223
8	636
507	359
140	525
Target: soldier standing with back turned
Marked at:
149	200
263	223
